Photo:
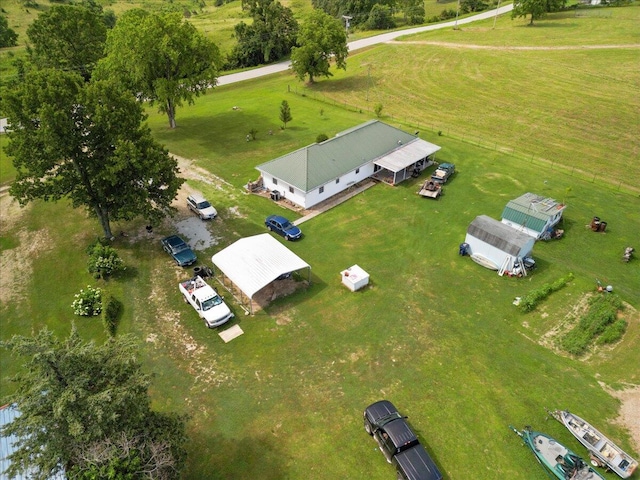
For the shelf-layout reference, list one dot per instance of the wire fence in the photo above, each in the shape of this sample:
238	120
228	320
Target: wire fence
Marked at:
476	140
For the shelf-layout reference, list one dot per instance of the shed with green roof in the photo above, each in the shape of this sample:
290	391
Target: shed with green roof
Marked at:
533	214
319	171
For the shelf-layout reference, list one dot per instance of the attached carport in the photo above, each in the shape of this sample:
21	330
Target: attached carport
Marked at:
399	164
252	263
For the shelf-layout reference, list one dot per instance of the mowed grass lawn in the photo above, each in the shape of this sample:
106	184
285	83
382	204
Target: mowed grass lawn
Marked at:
434	332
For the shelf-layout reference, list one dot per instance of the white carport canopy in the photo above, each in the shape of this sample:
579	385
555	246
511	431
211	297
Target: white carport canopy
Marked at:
252	263
407	155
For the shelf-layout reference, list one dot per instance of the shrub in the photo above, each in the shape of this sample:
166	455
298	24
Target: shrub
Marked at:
103	260
111	314
321	138
378	110
88	302
531	299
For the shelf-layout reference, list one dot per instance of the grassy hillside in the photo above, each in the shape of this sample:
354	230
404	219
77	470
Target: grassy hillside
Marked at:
560	92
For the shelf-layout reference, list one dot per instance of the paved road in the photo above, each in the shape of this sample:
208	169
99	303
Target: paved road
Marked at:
358	44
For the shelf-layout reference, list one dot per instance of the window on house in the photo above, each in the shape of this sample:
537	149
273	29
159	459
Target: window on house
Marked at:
376	168
337	180
290	189
357	171
275	181
321	189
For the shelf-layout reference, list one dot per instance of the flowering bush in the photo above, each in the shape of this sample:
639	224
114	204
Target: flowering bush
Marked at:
88	302
103	260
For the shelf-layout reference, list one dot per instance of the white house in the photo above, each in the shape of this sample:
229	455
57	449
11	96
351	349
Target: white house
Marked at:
495	245
315	173
532	214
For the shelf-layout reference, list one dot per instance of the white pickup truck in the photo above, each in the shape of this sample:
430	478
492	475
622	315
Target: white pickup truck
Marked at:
206	301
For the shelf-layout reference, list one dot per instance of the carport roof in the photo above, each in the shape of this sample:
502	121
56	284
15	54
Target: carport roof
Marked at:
406	155
252	263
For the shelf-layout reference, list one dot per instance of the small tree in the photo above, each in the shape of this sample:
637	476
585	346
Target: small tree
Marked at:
111	314
8	36
285	113
378	110
103	260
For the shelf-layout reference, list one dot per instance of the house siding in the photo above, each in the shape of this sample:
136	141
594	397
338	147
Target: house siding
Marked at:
313	197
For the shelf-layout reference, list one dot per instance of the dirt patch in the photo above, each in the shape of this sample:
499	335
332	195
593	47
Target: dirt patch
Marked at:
168	330
549	339
16	263
629	416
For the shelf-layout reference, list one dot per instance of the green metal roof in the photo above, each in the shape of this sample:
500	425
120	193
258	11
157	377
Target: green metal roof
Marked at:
319	163
532	211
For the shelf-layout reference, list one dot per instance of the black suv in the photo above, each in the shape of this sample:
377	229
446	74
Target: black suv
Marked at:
398	443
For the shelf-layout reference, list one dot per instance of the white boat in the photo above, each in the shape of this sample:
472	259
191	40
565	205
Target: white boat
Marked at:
604	452
484	261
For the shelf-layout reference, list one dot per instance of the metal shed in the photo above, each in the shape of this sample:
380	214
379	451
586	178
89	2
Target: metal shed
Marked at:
252	263
533	214
496	245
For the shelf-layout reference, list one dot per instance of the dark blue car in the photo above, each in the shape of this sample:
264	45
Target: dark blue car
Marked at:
283	227
179	250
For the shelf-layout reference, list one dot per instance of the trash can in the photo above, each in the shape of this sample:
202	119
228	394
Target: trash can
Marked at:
275	195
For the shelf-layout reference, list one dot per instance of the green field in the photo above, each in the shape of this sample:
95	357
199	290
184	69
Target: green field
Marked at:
434	332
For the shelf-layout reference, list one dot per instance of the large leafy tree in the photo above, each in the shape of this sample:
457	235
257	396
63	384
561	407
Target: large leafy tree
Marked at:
87	142
161	58
270	36
321	39
86	408
67	37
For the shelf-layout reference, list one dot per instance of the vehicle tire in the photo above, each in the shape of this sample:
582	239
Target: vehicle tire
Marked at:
287	238
206	324
367	428
201	217
270	228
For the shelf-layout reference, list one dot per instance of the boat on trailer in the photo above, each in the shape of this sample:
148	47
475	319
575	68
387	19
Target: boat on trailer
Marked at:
557	458
603	452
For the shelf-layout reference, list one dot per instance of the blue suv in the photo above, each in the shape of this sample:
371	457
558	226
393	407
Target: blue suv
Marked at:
282	226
